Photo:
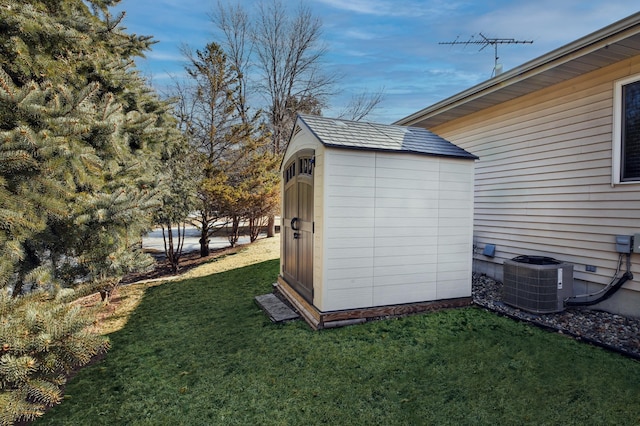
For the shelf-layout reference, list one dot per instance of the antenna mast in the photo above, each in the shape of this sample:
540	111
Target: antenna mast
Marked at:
486	41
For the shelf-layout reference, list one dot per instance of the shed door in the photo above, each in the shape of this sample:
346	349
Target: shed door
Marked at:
297	224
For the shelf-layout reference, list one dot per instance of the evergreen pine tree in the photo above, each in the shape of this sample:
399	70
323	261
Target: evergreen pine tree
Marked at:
81	139
208	112
238	173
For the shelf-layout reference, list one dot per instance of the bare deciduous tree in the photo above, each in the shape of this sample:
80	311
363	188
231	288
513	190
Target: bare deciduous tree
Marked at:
289	53
278	53
286	52
234	22
361	105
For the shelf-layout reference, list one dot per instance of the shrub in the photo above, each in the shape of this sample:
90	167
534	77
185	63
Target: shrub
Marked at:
42	339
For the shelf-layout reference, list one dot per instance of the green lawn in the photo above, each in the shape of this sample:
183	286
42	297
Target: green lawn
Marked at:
200	352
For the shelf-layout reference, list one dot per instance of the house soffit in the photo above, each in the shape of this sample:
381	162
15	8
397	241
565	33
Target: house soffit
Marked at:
615	43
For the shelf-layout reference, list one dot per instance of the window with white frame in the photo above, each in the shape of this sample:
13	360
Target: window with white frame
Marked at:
626	131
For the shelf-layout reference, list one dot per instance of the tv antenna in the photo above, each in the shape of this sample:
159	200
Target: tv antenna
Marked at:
487	41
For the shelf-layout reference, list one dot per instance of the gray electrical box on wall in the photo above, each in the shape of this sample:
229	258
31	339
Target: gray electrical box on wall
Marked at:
623	243
636	243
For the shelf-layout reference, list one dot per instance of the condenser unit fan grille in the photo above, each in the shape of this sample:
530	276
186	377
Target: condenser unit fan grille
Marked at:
537	284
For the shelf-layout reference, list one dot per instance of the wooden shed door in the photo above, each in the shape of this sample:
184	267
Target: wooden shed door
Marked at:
297	224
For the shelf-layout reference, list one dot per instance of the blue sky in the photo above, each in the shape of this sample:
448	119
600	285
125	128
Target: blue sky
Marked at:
390	44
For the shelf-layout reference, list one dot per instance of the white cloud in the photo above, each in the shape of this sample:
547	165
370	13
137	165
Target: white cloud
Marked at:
160	56
551	22
411	8
360	35
367	7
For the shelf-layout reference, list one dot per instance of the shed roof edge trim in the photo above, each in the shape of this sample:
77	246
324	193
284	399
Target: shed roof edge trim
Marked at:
404	151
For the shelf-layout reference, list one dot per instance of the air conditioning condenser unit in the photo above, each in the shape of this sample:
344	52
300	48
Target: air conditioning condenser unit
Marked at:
537	284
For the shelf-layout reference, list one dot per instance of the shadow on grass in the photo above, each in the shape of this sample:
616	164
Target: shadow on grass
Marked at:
200	351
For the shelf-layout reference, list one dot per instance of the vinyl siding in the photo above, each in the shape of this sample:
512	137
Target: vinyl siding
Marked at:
543	181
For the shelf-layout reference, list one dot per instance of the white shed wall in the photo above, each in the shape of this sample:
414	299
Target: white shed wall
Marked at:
397	229
543	181
319	221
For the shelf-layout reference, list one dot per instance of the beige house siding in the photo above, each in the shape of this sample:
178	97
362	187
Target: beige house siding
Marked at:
543	182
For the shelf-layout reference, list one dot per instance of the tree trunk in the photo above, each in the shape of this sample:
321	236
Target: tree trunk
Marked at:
271	226
17	289
256	225
173	251
234	235
204	241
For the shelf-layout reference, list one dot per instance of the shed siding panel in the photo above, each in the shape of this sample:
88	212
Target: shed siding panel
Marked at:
399	278
455	230
408	267
382	234
350	298
318	218
543	181
349	217
430	258
389	295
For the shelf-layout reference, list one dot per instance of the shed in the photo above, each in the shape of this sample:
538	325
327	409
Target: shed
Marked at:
377	220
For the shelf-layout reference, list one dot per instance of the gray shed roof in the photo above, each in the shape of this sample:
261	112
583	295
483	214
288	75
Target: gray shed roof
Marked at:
381	137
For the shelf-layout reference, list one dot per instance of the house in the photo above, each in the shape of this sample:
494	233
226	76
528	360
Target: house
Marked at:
559	171
376	220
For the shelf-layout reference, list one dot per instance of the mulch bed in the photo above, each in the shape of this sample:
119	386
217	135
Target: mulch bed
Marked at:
188	261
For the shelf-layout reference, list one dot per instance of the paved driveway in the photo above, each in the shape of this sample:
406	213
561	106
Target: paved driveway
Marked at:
154	240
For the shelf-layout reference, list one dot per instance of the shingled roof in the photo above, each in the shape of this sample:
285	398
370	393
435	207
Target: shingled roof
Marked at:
380	137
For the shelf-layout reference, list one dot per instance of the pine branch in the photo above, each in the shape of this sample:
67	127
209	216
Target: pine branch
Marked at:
14	407
43	392
7	88
42	338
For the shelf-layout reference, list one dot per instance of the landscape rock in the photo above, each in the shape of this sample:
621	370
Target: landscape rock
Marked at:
614	332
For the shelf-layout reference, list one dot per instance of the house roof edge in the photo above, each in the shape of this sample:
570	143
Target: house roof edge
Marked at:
614	32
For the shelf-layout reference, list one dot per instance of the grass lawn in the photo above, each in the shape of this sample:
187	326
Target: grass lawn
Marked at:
200	352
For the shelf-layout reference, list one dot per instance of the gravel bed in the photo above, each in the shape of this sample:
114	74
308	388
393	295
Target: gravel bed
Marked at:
614	332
